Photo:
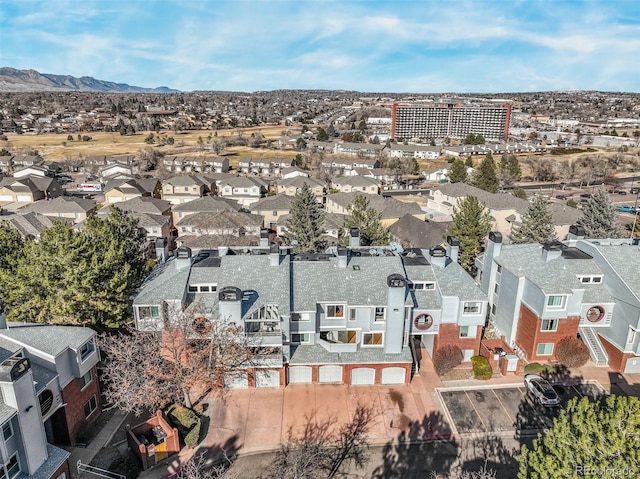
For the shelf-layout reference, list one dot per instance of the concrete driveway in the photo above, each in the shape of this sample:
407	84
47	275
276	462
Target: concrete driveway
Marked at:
507	408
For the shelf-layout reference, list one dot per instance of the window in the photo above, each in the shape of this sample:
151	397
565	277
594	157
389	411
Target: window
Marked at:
597	279
380	313
90	406
471	307
549	325
545	349
203	289
353	314
417	286
372	339
555	302
7	430
13	467
499	269
493	309
148	312
342	336
300	338
496	288
631	337
193	289
464	331
335	311
86	349
86	379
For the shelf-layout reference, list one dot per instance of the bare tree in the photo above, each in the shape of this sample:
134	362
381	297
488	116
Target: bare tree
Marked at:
323	449
192	351
201	467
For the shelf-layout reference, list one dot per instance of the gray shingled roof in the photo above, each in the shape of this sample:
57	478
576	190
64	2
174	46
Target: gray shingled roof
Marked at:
387	207
223	219
55	458
201	242
210	204
50	339
624	259
31	224
454	281
143	204
166	282
270	203
6	413
242	182
61	204
299	181
316	354
185	180
355	181
414	232
321	281
555	276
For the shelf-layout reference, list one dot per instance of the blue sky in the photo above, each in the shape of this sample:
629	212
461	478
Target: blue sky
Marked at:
416	46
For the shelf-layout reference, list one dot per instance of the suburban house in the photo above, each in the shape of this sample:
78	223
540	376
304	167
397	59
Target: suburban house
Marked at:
345	165
350	316
505	209
331	225
291	186
419	152
352	184
292	172
586	288
29	189
115	170
6	164
224	223
77	209
119	190
31	225
245	190
390	209
412	232
184	188
50	393
264	166
206	204
40	171
272	208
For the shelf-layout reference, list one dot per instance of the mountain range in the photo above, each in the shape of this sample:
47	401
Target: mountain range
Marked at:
13	80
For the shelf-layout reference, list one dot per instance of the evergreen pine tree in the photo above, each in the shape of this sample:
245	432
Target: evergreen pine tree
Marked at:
509	170
471	224
537	224
485	176
368	221
599	217
457	172
305	223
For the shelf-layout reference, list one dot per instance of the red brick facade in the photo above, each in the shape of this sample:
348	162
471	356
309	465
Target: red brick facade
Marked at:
75	398
529	334
63	469
617	358
450	334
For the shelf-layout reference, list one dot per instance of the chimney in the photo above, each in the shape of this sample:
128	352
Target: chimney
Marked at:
354	237
438	256
162	250
494	246
230	304
264	238
576	232
183	257
342	257
551	250
274	254
394	314
453	248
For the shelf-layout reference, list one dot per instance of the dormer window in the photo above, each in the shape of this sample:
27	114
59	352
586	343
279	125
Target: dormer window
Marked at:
556	302
335	311
472	307
590	279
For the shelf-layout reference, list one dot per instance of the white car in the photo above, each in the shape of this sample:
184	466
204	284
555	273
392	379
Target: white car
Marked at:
542	392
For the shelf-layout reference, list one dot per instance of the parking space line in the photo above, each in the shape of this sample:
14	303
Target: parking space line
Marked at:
505	409
476	411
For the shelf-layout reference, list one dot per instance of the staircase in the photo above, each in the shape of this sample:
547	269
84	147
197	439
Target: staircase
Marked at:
590	338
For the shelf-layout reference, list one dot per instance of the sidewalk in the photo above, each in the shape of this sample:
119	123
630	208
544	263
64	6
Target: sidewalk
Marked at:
86	454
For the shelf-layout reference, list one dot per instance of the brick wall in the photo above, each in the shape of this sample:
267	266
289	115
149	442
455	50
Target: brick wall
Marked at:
76	398
528	335
617	358
450	334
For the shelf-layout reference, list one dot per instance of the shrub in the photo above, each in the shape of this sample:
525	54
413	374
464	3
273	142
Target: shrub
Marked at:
572	352
446	358
481	367
539	369
187	422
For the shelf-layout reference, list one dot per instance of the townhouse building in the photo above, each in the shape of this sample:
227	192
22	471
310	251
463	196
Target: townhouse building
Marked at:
587	288
184	188
419	152
75	209
206	204
245	190
50	392
348	316
390	209
356	183
29	189
291	186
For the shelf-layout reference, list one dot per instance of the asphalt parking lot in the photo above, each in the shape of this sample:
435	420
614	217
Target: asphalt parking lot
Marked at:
507	408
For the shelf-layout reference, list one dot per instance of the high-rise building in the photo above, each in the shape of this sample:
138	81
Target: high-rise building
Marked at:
450	119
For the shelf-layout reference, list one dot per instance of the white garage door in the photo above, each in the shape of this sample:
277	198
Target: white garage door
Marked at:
393	375
24	198
299	374
330	374
267	378
363	376
236	380
6	198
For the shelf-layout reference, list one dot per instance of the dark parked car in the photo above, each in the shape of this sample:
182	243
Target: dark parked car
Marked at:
541	391
561	197
622	192
634	191
586	195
